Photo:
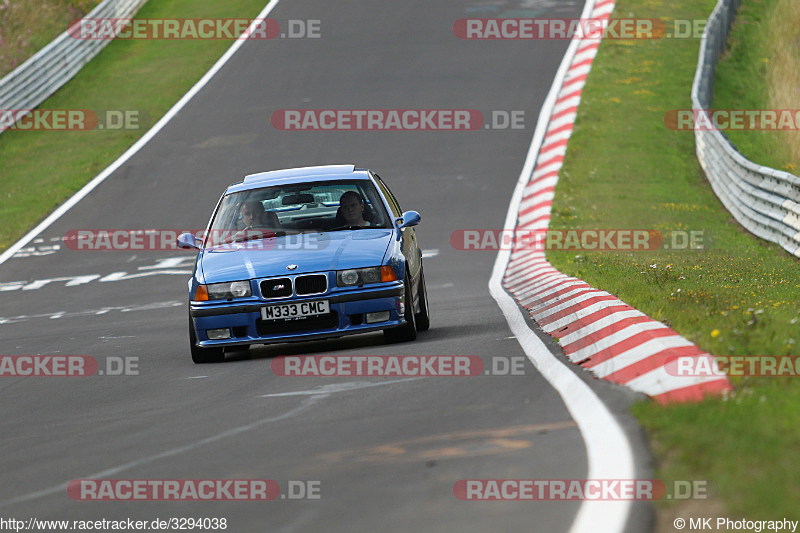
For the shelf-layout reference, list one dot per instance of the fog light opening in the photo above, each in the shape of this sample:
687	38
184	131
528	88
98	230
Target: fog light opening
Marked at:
218	334
382	316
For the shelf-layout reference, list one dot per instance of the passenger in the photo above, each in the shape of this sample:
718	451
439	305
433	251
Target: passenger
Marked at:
352	209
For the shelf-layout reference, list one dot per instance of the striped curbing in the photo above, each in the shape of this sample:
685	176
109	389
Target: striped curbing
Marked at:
596	330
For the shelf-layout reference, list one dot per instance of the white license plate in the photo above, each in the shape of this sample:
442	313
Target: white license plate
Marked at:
296	310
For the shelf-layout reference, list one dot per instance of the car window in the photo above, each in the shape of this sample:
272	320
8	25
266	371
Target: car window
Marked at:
296	208
393	203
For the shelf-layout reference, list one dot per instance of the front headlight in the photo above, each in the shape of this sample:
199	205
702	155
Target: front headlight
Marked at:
223	291
364	276
346	277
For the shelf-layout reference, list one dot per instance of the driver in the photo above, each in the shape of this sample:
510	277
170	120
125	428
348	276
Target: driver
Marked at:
254	216
257	222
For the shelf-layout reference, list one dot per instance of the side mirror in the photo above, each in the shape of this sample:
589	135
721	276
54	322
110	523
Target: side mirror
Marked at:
187	240
409	218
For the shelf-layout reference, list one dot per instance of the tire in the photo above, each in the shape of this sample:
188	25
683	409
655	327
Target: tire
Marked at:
408	331
423	318
203	355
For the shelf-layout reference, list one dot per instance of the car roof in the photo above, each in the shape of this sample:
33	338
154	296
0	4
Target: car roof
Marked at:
299	175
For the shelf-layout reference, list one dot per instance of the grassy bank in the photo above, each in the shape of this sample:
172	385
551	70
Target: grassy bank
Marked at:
26	26
737	296
761	70
43	168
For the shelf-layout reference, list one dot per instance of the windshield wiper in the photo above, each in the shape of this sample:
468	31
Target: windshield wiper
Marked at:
339	228
253	234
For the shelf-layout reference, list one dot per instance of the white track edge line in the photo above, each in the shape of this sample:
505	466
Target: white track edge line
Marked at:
608	450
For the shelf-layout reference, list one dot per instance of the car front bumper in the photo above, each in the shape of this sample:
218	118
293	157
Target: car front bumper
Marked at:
347	317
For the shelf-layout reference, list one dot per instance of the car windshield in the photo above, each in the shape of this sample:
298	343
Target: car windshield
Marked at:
298	208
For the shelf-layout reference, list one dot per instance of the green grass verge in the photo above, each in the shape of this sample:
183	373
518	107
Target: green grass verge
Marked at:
738	296
41	169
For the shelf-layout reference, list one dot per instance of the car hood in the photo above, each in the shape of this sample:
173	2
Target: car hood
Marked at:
311	252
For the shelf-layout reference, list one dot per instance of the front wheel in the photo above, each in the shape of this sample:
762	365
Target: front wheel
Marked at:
408	331
203	355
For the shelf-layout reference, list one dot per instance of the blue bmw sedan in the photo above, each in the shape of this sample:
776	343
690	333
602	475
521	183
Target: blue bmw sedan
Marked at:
301	254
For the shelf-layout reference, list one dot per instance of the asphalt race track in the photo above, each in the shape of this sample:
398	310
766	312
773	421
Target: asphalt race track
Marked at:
385	451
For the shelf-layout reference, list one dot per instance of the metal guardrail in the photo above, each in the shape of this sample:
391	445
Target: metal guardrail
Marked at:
45	72
763	200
